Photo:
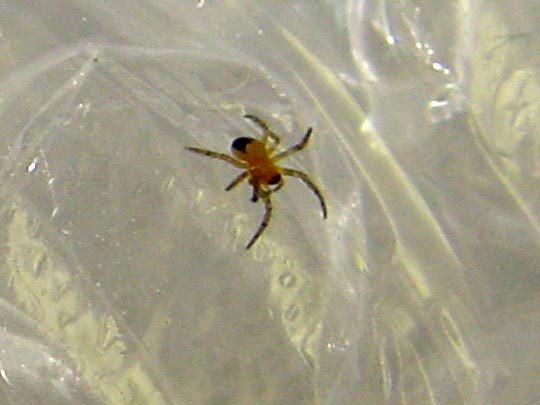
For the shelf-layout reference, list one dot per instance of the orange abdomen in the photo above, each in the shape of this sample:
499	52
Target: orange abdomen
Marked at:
260	164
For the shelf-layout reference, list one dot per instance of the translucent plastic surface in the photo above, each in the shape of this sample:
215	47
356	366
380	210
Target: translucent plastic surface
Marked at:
125	274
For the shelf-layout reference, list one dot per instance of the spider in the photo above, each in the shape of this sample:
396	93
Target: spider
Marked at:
261	169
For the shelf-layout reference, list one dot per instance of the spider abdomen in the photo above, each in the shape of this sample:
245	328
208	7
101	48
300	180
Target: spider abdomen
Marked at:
251	151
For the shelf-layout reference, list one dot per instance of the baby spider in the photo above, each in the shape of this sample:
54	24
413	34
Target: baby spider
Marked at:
261	171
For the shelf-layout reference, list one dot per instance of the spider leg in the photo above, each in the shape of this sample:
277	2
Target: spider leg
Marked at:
255	194
238	179
295	148
216	155
267	132
264	222
304	177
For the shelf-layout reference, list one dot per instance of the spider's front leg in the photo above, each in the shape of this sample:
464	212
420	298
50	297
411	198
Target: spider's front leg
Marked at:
264	222
262	191
256	190
237	180
307	181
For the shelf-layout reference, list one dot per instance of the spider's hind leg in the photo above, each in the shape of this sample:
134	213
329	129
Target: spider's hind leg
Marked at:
267	132
216	155
293	149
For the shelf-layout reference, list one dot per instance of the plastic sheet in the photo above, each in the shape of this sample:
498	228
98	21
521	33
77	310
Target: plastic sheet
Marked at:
125	273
